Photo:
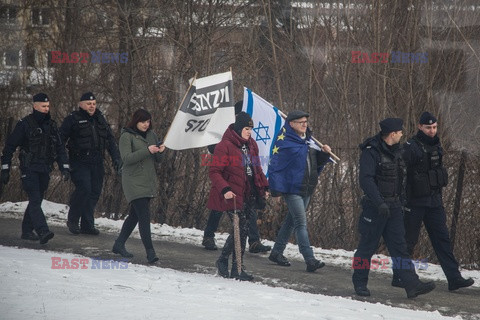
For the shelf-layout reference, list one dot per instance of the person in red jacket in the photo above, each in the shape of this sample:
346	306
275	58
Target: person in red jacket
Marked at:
238	182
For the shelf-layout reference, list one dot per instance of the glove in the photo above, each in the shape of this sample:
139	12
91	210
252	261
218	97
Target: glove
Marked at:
66	175
117	165
384	210
5	176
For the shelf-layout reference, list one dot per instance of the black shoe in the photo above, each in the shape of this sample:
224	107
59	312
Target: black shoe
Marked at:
151	256
222	266
258	247
93	231
120	249
459	283
362	291
44	237
314	264
209	243
420	288
396	282
29	236
243	276
73	227
279	259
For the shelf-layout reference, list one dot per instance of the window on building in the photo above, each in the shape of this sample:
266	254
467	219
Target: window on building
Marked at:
12	58
40	16
30	57
8	14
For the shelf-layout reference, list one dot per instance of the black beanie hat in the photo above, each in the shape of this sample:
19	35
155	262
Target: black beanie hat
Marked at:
242	120
87	96
391	125
427	118
238	107
40	97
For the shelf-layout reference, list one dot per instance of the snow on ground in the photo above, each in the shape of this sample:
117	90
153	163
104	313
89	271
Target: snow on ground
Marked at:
33	289
57	214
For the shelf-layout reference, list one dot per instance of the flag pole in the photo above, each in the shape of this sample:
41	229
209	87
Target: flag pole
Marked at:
181	103
284	116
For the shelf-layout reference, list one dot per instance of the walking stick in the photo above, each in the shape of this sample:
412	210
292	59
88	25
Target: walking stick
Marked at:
236	236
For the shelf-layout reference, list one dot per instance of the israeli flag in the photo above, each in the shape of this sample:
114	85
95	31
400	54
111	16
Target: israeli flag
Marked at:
267	122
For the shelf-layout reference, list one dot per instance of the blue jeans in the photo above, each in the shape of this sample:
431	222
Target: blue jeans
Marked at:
295	221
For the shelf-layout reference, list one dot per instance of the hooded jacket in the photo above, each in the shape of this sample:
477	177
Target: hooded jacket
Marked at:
139	178
227	172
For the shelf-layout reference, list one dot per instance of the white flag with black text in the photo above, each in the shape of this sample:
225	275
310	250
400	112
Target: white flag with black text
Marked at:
205	113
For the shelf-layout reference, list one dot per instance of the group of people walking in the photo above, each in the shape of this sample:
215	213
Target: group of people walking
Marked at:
402	186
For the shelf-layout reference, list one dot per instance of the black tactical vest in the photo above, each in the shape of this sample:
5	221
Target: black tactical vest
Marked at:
88	137
40	146
390	175
429	175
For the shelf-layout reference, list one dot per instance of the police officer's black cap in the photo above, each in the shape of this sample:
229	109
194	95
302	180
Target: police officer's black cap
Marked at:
391	125
87	96
40	97
296	114
427	118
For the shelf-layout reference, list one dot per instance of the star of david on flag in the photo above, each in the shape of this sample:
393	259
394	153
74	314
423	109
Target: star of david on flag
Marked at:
267	122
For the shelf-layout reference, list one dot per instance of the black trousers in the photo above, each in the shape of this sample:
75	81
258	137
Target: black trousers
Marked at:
88	181
436	225
139	213
372	227
35	184
214	220
229	247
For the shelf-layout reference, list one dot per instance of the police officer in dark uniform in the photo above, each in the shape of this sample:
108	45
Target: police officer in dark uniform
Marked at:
426	177
382	172
87	134
40	145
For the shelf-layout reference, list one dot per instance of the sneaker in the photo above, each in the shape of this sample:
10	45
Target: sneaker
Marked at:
222	266
93	231
314	264
420	288
459	283
44	237
209	243
73	227
29	236
279	259
362	291
396	282
258	247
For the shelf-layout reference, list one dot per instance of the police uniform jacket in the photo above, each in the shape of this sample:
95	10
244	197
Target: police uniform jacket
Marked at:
426	175
40	144
139	178
382	187
87	137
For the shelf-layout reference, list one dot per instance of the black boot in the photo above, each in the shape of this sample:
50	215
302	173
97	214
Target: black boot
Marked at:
258	247
420	288
362	291
209	243
44	237
396	282
30	236
151	256
314	264
243	276
459	283
73	227
222	266
279	259
119	248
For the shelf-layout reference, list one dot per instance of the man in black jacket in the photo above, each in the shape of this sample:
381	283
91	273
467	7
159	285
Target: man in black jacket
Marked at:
87	134
382	172
426	177
40	145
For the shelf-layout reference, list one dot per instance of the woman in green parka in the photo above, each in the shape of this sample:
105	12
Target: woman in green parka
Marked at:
139	149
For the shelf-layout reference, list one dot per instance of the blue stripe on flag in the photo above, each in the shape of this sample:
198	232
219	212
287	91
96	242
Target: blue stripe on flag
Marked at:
249	102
